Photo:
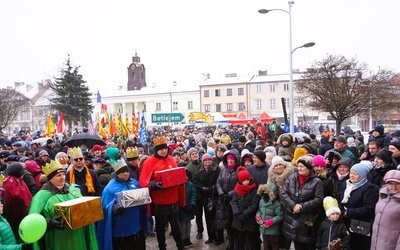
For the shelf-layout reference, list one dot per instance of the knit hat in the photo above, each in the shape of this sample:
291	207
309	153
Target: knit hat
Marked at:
380	129
319	160
360	138
351	142
361	170
307	161
221	148
176	152
385	155
206	157
396	144
260	154
97	147
192	150
331	206
15	169
49	141
243	174
392	175
11	158
277	160
346	161
298	152
242	139
43	153
230	156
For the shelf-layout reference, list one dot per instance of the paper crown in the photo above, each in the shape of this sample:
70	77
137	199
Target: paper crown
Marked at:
330	205
51	167
159	140
74	152
131	153
118	164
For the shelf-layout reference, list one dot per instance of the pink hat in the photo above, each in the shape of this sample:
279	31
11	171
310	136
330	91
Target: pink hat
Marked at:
319	160
206	157
392	175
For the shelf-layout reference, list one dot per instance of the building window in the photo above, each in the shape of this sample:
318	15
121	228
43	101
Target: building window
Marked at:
217	92
206	93
272	87
133	75
158	106
259	104
287	102
207	107
272	103
217	107
259	88
241	106
240	91
229	107
229	92
175	106
301	102
142	75
286	87
190	104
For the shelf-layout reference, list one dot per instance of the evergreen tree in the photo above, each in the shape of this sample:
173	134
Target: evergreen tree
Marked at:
71	95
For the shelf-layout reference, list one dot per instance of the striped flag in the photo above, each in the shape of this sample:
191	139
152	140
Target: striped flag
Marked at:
143	133
60	123
90	125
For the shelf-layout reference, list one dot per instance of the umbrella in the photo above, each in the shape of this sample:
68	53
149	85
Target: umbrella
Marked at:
84	139
40	140
301	135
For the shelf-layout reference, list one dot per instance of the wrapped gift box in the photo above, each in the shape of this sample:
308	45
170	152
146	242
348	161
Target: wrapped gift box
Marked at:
171	177
80	212
135	197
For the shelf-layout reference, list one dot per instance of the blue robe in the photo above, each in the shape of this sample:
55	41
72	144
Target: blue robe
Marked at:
130	222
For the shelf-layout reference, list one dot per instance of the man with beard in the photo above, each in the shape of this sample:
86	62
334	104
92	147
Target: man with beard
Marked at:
165	201
194	166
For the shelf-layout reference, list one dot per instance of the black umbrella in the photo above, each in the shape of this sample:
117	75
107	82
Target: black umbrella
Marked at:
86	139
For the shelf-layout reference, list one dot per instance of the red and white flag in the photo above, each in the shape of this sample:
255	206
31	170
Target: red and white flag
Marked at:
60	123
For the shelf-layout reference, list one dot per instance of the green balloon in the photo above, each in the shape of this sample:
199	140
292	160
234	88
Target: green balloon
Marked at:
32	228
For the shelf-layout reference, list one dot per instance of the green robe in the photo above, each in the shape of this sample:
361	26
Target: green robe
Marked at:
81	238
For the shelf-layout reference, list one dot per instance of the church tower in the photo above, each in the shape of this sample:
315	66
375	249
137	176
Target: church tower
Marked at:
136	74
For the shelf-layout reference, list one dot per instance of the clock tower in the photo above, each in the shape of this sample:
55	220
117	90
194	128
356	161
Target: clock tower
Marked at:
136	74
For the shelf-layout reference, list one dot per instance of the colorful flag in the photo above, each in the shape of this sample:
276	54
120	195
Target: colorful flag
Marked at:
90	125
143	133
60	123
98	97
50	126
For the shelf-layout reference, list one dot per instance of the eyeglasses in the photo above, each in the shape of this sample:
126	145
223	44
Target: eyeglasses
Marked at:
78	159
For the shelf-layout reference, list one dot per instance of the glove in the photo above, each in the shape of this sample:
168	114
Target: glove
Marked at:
225	198
259	220
204	189
117	209
268	222
26	246
155	185
56	223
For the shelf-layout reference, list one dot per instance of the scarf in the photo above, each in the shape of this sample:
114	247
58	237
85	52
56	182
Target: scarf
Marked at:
303	179
350	187
230	166
88	179
341	177
243	190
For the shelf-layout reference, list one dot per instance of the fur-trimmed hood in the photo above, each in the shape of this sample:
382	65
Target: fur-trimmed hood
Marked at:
270	188
279	180
142	159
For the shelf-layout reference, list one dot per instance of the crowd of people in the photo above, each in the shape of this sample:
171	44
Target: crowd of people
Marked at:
255	191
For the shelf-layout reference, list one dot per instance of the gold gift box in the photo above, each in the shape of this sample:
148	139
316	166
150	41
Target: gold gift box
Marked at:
134	197
80	212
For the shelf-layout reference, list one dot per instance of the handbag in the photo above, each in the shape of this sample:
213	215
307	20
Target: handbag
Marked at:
211	203
361	227
335	245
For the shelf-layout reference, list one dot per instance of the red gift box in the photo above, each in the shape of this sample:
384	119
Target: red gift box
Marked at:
171	177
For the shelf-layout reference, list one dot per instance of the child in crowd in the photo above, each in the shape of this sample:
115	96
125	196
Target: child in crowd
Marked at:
333	227
244	208
186	214
269	215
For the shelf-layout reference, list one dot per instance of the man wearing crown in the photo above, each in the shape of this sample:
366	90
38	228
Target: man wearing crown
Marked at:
165	201
56	190
81	175
132	157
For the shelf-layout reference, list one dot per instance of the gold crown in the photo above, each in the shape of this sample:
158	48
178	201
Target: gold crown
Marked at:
74	152
159	140
51	167
131	152
118	164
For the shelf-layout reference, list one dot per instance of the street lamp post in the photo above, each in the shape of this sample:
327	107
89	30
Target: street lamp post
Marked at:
80	118
291	92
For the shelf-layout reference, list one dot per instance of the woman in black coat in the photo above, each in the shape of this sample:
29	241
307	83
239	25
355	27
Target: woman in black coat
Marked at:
302	194
339	175
357	199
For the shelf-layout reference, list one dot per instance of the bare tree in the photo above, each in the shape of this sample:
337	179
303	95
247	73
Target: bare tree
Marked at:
12	103
336	85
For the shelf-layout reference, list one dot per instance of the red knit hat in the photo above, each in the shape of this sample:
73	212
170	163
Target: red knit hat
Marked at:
243	174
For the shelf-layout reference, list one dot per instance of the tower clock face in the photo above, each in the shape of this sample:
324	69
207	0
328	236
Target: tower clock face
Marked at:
133	66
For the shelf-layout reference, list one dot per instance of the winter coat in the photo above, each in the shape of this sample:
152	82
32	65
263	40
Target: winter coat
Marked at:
30	182
7	239
332	230
376	175
386	230
286	152
105	174
187	213
383	140
208	179
35	170
279	180
269	208
248	206
325	146
259	174
335	182
300	227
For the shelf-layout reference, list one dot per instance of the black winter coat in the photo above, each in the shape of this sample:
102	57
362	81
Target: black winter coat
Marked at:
247	205
208	179
300	227
259	174
336	183
375	176
332	230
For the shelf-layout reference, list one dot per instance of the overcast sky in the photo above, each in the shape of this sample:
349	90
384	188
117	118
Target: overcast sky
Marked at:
178	40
